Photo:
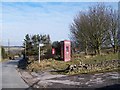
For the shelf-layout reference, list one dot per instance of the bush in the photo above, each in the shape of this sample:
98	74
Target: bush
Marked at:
4	55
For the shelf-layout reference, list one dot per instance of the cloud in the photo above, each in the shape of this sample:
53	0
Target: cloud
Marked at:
20	12
20	18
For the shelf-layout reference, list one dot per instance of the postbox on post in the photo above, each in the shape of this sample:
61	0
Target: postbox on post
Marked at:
66	50
53	51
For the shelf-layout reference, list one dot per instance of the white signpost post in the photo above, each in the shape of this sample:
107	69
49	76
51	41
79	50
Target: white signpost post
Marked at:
40	45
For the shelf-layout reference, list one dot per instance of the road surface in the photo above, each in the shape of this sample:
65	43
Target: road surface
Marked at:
10	76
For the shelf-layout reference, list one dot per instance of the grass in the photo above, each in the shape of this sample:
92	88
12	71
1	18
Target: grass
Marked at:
49	64
99	58
3	60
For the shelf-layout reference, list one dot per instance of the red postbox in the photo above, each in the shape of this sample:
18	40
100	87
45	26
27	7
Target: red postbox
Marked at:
66	50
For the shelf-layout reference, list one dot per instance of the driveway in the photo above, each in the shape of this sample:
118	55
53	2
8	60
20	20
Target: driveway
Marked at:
10	76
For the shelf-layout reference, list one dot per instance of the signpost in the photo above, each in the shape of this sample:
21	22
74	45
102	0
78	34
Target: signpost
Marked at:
40	45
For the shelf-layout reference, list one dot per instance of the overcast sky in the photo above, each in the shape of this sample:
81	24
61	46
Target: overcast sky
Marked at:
20	18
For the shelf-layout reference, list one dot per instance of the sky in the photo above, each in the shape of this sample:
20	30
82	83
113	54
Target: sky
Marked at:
53	18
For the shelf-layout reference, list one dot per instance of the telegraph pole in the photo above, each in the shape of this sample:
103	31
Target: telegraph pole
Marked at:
25	48
8	47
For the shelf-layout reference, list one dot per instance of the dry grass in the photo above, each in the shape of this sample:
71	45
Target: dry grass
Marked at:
3	60
49	64
97	58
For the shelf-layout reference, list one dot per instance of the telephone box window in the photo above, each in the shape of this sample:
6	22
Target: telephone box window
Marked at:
67	49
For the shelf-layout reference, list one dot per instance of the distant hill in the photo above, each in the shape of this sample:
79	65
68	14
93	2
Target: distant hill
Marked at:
14	49
13	46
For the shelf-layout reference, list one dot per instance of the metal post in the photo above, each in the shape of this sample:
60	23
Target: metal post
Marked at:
40	45
39	53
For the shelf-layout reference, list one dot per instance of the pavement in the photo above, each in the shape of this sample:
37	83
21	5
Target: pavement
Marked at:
10	76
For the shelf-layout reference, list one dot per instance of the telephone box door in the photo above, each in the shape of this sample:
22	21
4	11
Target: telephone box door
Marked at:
66	50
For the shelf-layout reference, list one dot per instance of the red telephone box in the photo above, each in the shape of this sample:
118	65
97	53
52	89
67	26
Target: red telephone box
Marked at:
66	50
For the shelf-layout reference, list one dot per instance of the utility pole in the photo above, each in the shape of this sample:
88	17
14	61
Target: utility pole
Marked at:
25	48
8	47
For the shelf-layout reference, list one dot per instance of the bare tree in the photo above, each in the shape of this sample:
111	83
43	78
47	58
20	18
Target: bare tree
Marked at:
93	28
79	31
113	29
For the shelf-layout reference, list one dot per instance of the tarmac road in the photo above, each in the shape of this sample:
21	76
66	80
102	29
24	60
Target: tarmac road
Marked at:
10	76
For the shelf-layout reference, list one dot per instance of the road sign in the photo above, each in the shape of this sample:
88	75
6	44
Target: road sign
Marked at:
41	45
